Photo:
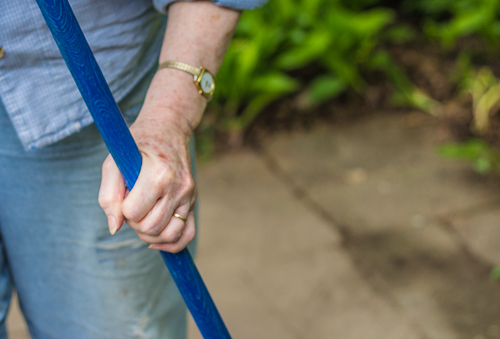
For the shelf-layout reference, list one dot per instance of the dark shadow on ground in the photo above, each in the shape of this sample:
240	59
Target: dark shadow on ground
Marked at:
394	263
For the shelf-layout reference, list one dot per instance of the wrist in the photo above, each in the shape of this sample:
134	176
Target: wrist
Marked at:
173	96
198	33
202	78
170	126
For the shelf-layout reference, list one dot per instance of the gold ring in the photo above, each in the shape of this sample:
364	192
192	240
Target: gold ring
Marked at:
180	217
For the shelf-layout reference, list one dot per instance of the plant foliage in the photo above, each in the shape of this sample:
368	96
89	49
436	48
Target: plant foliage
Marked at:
486	158
290	35
495	273
448	20
323	48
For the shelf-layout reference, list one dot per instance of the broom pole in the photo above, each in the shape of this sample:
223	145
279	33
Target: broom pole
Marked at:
107	116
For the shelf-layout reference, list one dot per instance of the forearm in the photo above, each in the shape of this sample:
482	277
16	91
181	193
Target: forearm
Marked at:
198	34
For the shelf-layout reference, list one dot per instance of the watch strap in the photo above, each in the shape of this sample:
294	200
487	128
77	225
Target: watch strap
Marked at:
181	66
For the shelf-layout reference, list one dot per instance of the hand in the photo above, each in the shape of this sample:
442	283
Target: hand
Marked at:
198	33
165	186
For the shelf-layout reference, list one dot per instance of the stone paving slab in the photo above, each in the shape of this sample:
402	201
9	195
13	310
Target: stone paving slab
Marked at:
380	181
481	230
292	263
380	172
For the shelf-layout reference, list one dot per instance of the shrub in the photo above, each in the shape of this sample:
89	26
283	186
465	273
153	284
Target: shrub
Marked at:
342	41
290	35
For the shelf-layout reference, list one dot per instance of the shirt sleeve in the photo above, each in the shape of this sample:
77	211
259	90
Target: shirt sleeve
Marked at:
161	5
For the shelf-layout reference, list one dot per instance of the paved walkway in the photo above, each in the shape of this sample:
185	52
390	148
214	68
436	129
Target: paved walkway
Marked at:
352	232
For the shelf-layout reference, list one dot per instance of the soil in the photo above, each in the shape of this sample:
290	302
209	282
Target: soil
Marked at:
433	71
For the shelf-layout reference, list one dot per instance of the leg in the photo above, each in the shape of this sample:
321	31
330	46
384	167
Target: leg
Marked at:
74	280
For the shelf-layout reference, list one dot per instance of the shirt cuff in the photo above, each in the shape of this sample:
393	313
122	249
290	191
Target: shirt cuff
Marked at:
161	5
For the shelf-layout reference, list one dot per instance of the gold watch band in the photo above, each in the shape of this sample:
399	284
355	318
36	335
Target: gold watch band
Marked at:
203	79
181	66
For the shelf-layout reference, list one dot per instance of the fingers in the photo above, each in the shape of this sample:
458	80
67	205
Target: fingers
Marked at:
111	194
162	189
179	196
171	231
186	237
148	189
156	220
162	229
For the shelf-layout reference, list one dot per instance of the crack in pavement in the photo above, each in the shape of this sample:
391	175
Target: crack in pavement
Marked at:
301	194
392	263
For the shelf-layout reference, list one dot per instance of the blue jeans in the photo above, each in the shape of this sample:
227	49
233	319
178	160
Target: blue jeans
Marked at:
74	280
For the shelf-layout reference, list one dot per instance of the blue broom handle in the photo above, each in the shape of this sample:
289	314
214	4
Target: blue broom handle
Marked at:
107	116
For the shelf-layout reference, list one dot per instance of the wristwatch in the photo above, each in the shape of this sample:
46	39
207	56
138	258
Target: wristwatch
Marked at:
203	79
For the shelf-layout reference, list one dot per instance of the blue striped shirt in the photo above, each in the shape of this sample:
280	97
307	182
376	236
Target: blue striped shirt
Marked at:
36	88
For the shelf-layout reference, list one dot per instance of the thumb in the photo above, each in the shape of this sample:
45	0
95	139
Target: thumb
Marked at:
111	194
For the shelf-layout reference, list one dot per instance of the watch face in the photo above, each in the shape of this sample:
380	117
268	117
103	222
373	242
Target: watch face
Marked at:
206	82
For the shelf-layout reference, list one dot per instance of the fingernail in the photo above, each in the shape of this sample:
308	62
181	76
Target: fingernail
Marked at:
112	224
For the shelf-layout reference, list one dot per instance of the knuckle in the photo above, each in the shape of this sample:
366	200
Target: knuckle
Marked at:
164	173
107	164
172	237
188	186
104	201
158	185
131	214
151	230
194	197
162	177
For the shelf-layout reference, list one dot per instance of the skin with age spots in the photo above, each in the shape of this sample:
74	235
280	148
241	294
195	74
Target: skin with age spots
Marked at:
198	33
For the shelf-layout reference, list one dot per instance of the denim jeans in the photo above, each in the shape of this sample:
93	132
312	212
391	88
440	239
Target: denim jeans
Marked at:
74	280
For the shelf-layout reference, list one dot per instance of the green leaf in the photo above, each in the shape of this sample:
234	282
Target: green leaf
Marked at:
495	273
462	25
361	24
346	70
483	165
325	87
247	61
399	34
372	22
276	83
485	157
422	101
285	9
251	111
311	7
430	7
469	150
314	46
484	107
255	107
468	17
